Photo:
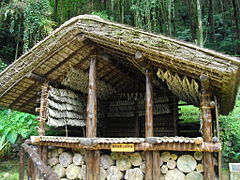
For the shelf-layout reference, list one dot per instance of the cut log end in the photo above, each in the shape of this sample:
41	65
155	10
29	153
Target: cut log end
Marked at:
72	171
186	163
65	159
174	174
134	174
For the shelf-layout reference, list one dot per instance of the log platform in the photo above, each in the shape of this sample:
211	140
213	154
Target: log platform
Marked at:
140	144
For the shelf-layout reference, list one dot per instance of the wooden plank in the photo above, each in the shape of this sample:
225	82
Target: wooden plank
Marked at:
206	126
92	156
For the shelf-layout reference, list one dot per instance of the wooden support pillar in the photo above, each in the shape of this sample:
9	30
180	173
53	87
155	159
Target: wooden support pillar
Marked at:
42	150
31	170
206	126
92	156
156	165
149	123
21	161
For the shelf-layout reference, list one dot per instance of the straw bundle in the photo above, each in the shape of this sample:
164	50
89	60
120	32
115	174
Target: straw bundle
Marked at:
65	108
184	88
78	80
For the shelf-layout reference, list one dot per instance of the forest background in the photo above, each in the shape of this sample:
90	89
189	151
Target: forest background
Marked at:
213	24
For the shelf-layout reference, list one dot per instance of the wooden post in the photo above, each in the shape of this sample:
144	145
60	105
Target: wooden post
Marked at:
156	165
149	104
218	136
31	170
42	150
92	156
21	161
206	126
149	123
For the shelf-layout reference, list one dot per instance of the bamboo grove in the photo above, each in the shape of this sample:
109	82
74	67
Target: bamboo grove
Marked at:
209	23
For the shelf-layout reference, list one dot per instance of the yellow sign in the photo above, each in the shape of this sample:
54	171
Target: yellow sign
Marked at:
122	147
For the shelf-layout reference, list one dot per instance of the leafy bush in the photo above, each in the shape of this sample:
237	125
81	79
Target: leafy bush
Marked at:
230	135
229	132
189	113
14	125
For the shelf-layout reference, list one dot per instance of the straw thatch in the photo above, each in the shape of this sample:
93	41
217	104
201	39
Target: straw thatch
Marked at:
72	44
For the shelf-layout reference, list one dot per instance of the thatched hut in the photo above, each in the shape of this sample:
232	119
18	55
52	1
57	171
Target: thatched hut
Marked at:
120	87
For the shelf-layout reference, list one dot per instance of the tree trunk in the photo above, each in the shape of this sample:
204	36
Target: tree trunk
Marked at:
199	24
169	17
55	12
211	22
236	8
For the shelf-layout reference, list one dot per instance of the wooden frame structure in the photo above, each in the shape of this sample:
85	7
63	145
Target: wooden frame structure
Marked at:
127	63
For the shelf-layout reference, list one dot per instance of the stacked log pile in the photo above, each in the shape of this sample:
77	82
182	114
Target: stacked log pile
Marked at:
181	166
70	164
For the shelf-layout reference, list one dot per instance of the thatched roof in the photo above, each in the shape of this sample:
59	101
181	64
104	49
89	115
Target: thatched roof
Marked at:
120	45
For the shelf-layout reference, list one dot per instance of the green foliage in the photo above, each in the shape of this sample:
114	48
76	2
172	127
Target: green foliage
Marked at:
2	65
102	14
230	135
36	22
229	132
14	124
189	113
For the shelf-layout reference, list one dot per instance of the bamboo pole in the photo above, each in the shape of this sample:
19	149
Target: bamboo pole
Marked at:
206	126
92	157
149	122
